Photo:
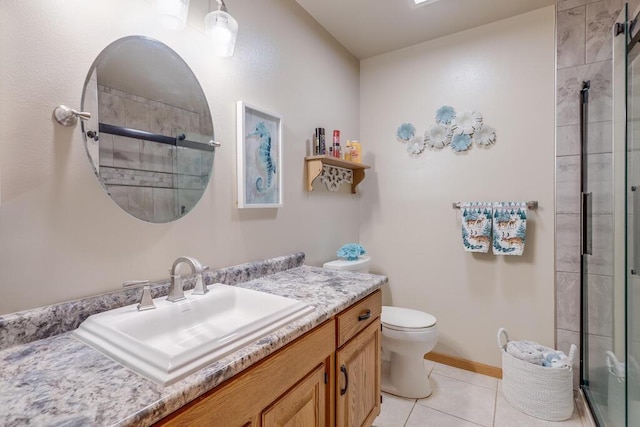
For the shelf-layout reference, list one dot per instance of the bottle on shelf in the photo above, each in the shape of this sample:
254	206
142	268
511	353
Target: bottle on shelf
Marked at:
346	153
356	152
322	147
316	142
336	143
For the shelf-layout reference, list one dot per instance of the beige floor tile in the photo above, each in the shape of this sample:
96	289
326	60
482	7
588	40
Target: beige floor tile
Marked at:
466	376
394	412
429	365
461	399
421	416
507	416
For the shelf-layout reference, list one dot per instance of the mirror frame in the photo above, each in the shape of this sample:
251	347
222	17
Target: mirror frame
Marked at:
185	150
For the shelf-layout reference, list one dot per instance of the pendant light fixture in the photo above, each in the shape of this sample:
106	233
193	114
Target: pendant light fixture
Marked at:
222	29
172	13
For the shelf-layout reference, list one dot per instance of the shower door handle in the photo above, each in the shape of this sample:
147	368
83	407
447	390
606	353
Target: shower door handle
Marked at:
635	224
586	238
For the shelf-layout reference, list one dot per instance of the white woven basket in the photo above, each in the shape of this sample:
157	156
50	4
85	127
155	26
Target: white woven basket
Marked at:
539	391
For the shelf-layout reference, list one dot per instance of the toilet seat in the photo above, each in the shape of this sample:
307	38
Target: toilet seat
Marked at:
406	319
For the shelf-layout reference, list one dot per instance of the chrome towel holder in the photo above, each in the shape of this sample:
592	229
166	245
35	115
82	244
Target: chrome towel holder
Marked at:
532	204
68	116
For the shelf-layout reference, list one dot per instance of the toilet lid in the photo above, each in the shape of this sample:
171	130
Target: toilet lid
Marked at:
406	318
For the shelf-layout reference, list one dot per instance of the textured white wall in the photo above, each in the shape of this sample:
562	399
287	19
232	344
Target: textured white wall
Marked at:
504	70
61	237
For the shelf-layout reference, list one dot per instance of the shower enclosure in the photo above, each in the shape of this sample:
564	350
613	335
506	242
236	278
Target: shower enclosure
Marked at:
610	240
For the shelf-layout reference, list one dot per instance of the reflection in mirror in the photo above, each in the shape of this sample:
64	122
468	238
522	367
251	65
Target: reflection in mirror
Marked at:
150	137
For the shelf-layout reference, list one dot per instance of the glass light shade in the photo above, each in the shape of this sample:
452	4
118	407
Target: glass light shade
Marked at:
417	3
172	13
223	31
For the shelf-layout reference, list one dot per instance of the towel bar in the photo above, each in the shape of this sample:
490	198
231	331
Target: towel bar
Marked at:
532	204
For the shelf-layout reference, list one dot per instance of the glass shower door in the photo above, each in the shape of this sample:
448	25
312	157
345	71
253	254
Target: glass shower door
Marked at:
603	247
630	369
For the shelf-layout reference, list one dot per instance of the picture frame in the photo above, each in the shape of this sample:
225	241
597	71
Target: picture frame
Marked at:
259	157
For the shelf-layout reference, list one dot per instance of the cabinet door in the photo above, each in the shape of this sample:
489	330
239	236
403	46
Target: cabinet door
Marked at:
358	379
302	406
241	401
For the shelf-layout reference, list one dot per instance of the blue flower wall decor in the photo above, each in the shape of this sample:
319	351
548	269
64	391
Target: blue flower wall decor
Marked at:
460	142
445	114
466	122
484	136
438	136
457	130
415	146
406	132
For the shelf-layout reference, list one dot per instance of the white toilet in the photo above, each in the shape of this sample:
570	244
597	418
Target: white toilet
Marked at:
406	336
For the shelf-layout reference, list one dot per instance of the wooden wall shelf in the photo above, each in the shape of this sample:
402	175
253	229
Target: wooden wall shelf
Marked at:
332	172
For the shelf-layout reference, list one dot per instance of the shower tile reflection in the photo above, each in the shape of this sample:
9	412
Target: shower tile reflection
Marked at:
571	37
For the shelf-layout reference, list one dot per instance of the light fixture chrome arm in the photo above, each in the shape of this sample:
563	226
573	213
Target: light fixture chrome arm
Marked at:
222	6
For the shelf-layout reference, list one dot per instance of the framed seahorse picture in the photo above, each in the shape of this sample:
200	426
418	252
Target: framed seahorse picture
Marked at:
259	155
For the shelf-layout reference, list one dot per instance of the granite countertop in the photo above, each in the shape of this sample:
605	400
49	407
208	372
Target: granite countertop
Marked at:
59	381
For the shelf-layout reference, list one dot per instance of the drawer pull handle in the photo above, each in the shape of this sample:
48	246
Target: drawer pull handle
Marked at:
343	391
364	316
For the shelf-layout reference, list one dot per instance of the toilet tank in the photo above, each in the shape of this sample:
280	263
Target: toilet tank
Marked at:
360	265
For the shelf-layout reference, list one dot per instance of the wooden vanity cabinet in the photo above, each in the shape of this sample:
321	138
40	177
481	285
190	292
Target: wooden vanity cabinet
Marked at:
297	386
358	363
243	400
304	405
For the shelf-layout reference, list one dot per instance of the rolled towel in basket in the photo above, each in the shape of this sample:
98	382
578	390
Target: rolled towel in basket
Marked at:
529	351
555	359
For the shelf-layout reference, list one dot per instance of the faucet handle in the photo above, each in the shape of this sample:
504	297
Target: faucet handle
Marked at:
200	288
146	302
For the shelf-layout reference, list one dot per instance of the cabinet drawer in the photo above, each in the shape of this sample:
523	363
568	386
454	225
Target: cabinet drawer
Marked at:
358	317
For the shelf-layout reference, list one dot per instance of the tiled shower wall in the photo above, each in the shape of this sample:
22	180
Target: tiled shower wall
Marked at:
584	52
152	181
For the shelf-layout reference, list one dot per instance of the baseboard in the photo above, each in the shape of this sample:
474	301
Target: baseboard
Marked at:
467	365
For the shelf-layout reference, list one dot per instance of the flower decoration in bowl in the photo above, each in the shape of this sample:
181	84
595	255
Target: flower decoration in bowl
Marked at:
438	136
351	251
406	132
466	122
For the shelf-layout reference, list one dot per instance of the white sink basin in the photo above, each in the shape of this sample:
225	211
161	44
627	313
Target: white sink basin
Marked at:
176	339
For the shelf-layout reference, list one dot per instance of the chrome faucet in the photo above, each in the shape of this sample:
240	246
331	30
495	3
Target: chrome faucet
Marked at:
176	291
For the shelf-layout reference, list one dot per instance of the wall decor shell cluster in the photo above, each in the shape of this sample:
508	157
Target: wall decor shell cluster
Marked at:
457	130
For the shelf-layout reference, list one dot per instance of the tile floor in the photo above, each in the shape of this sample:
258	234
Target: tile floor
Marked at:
461	399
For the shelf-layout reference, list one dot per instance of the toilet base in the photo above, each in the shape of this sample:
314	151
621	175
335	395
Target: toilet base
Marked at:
405	377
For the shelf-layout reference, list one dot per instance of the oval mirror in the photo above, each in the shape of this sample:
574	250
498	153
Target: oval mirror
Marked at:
150	136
